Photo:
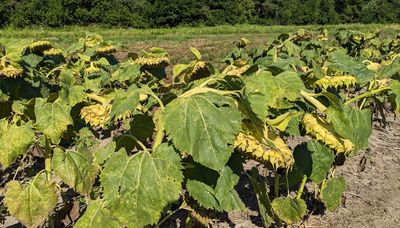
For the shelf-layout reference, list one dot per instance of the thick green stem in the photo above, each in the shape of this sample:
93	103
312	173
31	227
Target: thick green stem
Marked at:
366	94
301	188
310	98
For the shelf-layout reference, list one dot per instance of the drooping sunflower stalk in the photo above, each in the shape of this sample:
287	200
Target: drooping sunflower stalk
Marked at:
324	132
106	50
249	145
153	61
336	82
40	45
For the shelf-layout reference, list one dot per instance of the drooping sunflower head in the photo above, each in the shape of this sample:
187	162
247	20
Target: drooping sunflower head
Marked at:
153	62
10	71
279	157
336	82
40	45
96	115
106	50
324	132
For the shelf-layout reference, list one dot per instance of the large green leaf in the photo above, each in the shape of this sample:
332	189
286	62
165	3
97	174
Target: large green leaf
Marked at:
265	91
314	160
73	95
389	70
76	168
124	102
102	154
31	203
344	63
223	197
14	141
331	192
97	216
52	118
352	124
289	210
126	72
203	126
137	188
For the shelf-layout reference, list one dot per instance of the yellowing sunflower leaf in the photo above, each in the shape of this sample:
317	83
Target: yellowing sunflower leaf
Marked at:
76	168
31	203
14	141
331	192
203	126
289	210
195	53
97	216
138	188
52	119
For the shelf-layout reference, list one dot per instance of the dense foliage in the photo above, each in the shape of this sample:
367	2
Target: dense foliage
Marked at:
136	139
158	13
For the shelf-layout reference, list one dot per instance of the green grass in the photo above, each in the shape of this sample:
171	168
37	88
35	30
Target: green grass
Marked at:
124	35
213	42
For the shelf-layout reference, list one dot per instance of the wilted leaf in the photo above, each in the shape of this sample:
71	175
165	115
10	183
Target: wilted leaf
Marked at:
14	141
76	168
97	216
137	188
331	192
52	118
32	203
289	210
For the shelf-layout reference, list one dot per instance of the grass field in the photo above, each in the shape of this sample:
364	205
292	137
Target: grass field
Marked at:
213	42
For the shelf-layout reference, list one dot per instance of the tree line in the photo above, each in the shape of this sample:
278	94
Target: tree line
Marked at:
171	13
